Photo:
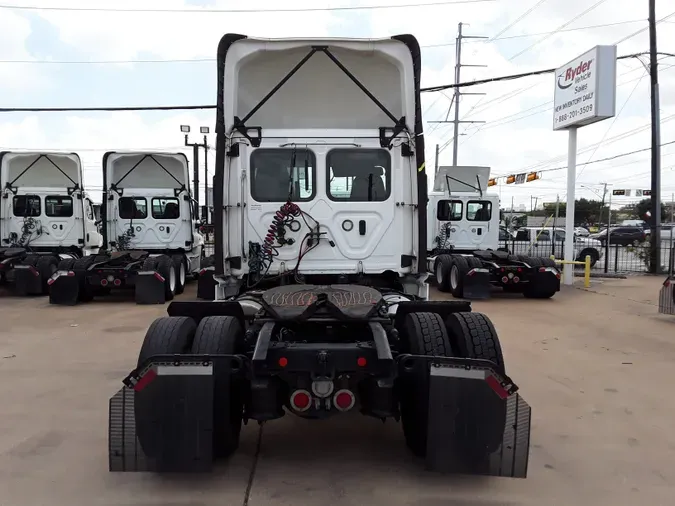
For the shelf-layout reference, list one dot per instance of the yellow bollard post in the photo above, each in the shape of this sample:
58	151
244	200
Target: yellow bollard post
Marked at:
587	272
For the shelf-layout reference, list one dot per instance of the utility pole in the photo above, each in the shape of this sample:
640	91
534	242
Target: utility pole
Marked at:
655	250
457	93
195	157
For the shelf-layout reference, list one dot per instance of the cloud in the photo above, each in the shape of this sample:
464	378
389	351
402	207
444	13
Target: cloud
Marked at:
517	134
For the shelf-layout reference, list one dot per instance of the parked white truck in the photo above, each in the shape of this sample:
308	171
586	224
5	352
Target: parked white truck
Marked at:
150	237
45	217
321	305
463	241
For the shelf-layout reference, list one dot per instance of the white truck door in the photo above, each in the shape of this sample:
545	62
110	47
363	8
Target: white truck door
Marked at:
63	215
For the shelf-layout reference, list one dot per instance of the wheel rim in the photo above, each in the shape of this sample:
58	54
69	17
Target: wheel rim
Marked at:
439	273
182	273
172	279
454	276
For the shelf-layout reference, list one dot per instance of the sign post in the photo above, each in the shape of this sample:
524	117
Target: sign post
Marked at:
585	93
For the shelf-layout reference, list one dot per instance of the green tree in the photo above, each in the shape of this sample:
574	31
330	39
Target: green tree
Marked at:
641	208
585	211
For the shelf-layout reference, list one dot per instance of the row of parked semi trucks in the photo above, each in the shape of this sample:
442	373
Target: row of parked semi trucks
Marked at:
55	240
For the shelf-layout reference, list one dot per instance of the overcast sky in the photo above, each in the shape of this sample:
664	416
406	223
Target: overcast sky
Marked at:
517	134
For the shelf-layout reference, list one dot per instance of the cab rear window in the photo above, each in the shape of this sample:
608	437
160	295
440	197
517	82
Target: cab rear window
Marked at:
26	206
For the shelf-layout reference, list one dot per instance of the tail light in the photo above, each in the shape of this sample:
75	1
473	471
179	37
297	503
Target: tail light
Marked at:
344	400
301	400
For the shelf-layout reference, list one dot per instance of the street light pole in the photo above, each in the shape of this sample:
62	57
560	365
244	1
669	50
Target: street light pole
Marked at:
195	157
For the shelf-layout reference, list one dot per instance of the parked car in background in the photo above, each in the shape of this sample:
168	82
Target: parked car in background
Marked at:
622	236
504	234
539	242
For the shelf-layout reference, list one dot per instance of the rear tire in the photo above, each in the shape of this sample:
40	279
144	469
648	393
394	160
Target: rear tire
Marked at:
480	427
46	266
181	273
80	266
535	291
426	335
458	271
168	335
590	252
165	267
442	272
223	335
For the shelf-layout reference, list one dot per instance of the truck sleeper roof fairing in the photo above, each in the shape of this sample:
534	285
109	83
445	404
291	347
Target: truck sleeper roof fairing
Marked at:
336	84
142	170
40	169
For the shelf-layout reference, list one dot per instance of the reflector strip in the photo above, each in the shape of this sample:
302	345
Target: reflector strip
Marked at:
457	372
145	380
184	370
496	386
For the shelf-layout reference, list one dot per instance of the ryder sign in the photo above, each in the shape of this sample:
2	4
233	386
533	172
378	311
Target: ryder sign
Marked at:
585	89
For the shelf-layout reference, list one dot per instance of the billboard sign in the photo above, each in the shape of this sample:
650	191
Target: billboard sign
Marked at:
585	89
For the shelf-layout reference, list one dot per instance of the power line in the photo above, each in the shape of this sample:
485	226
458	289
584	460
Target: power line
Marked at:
609	158
107	109
630	95
210	60
516	21
665	18
236	11
596	4
477	82
196	107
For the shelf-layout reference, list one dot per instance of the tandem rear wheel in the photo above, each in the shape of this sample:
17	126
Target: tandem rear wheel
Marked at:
181	335
478	429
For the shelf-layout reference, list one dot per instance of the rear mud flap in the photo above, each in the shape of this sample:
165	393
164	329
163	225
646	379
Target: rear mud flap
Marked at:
206	285
547	280
164	421
28	280
667	297
64	288
487	400
477	284
150	288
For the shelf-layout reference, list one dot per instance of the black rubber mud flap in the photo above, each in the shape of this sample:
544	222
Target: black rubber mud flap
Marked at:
206	285
477	284
28	280
450	452
164	422
150	288
667	297
64	288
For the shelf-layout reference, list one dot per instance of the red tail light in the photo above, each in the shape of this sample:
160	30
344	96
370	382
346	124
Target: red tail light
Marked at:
301	400
344	400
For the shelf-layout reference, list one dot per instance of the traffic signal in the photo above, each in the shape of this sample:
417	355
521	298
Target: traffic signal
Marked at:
532	176
510	179
492	182
619	192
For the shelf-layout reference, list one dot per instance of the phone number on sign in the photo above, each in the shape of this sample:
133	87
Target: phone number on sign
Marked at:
575	113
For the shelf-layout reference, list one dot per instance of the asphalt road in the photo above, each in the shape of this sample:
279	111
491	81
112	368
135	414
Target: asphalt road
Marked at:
596	367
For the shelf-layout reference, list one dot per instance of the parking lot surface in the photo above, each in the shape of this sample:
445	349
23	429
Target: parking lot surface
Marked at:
595	365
